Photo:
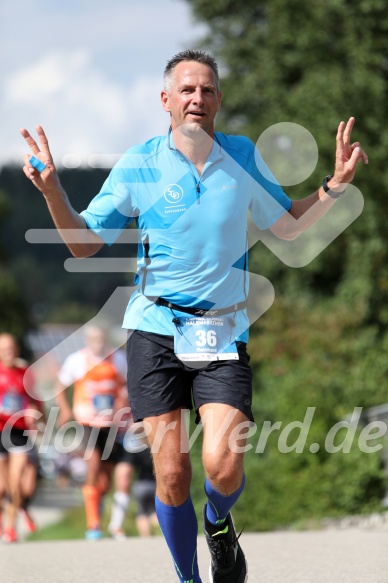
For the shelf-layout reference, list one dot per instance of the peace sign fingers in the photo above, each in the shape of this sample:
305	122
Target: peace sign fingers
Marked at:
39	167
347	132
44	143
43	152
344	150
347	154
30	141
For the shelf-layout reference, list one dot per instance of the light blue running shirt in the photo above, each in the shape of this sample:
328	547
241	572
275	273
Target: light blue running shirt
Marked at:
192	229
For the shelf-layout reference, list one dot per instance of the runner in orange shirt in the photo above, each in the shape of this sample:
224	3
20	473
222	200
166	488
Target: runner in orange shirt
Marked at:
98	376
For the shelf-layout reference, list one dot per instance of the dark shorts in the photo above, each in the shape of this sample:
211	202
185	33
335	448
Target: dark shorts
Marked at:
122	455
103	440
13	442
158	382
143	491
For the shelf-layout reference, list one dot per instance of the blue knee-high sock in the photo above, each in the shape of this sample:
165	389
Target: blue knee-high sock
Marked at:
180	528
219	505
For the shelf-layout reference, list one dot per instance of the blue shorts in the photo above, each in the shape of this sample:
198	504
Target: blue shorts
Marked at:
158	382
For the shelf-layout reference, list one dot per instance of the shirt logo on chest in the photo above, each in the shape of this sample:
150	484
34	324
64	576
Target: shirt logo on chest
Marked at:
173	193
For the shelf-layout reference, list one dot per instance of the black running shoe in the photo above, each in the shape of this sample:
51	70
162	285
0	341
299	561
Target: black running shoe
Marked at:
228	564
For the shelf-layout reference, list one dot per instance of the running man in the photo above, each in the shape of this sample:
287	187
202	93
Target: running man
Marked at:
15	398
98	378
190	192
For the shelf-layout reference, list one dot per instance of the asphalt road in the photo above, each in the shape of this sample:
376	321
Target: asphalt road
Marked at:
334	556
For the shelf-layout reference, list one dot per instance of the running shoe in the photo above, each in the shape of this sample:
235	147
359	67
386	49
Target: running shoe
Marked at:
94	534
9	535
29	521
117	534
228	564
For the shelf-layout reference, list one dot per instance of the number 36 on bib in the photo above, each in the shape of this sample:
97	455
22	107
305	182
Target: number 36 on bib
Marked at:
205	339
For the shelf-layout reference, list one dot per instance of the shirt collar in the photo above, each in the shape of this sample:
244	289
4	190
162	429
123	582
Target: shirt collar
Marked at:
216	152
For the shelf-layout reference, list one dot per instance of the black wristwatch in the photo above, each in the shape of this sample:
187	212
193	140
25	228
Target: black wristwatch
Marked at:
326	188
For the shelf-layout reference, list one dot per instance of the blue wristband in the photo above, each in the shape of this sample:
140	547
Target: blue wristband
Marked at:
36	163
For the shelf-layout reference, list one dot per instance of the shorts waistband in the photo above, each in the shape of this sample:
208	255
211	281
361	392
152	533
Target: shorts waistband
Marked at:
197	311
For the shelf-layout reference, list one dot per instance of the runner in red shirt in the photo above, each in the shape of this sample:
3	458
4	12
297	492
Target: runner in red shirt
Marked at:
15	399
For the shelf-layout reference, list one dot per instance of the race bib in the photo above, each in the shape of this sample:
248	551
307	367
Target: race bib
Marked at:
12	403
130	442
205	339
102	402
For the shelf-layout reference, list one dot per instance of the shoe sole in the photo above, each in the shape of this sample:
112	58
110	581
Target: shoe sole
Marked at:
211	576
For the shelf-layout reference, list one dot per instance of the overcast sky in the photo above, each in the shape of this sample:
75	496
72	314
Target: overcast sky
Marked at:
88	71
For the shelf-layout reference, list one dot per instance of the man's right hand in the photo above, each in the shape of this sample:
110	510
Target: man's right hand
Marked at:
46	181
65	218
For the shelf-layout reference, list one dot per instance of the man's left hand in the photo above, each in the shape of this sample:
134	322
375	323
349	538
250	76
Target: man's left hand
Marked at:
347	155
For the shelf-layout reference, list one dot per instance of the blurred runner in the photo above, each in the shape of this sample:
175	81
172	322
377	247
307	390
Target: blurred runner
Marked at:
98	378
28	488
15	380
144	485
134	472
29	479
122	475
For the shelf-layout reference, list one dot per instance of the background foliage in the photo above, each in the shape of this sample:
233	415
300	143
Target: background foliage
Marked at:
324	342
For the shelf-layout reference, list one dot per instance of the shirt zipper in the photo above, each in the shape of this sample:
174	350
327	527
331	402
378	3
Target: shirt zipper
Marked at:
198	189
197	183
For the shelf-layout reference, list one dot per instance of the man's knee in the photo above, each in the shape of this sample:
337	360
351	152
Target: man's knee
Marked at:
225	472
173	479
174	473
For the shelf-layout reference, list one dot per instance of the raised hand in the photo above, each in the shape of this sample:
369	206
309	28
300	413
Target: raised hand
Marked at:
47	180
347	155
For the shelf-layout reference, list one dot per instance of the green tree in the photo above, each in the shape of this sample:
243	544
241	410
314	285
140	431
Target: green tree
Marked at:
14	316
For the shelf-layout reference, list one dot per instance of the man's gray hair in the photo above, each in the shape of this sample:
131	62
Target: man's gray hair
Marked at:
189	55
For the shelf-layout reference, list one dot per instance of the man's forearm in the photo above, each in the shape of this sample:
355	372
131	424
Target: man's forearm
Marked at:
302	214
305	212
71	225
300	207
309	210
